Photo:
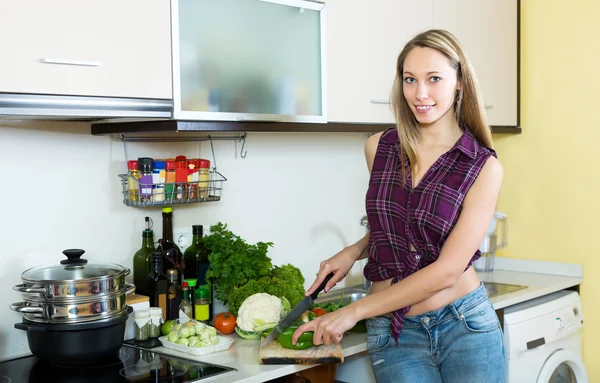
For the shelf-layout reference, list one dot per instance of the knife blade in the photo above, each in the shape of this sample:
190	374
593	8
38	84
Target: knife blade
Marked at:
296	312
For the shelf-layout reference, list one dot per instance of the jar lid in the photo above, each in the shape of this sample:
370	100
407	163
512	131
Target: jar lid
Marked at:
202	163
141	314
74	268
190	282
145	164
132	164
155	311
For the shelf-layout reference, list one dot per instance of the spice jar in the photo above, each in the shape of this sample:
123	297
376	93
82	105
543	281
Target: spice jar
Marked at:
201	303
181	174
193	178
203	178
158	180
134	176
145	167
156	321
141	325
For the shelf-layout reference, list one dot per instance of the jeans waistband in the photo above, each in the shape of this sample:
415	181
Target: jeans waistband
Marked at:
454	309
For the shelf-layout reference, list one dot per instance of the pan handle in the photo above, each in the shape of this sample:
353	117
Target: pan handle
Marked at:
27	327
23	288
25	308
129	289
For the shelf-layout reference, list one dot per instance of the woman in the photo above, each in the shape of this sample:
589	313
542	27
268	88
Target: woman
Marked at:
432	193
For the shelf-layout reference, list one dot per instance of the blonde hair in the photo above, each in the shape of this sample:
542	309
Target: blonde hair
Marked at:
468	108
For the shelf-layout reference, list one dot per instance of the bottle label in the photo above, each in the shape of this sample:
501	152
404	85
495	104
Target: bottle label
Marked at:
162	303
146	185
201	312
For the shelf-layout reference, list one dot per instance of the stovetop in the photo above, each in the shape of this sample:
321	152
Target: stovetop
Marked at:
133	365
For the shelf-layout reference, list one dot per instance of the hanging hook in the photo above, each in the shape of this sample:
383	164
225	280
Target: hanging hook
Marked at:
212	149
242	153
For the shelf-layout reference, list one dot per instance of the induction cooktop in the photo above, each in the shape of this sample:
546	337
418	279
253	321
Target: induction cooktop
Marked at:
132	365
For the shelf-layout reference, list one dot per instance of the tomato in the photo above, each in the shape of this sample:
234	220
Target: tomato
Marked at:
225	323
318	311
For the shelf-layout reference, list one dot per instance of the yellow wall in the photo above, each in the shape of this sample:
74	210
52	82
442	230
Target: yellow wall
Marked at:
552	170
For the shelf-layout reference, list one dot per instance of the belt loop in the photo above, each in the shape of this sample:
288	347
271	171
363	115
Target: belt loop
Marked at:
455	312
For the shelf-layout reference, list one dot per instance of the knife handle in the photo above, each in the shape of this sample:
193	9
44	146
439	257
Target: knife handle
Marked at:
315	294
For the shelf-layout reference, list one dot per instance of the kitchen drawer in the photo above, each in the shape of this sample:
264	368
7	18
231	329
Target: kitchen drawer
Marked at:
90	48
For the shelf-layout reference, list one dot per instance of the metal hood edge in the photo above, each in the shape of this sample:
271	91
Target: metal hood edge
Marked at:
34	106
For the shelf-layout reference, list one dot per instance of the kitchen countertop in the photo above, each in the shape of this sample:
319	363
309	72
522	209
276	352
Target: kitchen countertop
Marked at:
243	356
541	278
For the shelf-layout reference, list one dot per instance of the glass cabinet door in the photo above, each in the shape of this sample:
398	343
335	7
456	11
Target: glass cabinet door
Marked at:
255	60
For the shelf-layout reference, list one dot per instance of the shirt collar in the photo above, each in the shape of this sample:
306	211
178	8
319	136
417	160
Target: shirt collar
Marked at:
467	144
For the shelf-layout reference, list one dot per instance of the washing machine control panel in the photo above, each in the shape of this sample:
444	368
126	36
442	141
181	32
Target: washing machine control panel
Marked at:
569	318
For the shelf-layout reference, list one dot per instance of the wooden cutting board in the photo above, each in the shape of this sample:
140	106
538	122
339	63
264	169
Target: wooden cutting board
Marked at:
273	353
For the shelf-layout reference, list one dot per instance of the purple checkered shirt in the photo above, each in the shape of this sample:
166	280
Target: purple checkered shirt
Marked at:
399	215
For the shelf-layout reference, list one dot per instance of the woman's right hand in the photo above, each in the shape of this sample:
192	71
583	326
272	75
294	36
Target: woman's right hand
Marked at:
340	264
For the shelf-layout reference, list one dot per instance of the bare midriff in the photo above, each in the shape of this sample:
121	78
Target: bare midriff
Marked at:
468	282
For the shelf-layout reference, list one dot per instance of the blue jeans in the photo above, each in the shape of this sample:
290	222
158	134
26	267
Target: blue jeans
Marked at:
459	343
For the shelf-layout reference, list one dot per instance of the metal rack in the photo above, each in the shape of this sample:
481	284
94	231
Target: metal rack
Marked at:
164	194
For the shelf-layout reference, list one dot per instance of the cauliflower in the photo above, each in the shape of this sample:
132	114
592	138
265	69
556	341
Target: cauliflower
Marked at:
258	310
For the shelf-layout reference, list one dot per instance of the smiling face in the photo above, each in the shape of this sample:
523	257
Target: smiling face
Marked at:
429	86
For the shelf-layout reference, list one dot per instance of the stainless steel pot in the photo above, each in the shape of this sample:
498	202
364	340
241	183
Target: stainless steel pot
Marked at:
73	311
73	278
73	291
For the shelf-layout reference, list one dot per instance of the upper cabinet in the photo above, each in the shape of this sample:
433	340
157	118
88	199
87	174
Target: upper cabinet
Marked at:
488	31
106	48
248	60
363	43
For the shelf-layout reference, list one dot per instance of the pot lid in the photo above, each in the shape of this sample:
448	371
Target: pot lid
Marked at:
72	269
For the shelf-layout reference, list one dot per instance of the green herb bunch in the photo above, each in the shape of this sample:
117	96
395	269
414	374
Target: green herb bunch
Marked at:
234	262
285	281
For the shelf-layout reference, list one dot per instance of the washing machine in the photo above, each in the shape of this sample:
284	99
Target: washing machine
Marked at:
543	340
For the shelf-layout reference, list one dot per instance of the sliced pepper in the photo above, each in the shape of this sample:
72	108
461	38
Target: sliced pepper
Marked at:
305	341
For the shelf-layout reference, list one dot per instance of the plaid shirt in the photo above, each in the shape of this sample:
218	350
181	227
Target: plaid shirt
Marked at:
424	216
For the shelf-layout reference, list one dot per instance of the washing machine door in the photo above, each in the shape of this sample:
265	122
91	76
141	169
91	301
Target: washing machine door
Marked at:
563	366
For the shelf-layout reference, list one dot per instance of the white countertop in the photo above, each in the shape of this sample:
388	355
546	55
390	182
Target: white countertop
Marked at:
243	354
537	285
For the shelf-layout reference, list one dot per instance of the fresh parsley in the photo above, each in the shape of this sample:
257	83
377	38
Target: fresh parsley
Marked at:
233	261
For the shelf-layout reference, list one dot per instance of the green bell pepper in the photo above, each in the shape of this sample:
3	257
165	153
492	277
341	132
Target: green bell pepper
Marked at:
304	342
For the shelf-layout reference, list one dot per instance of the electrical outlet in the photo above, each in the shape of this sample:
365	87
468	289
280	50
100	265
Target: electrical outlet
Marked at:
182	238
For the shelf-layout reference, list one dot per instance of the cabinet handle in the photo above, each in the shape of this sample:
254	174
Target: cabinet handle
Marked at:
70	62
375	101
489	106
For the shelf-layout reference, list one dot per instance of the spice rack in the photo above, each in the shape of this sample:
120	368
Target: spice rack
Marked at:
164	194
138	194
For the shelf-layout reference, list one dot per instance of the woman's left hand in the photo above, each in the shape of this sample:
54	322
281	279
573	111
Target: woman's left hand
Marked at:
329	328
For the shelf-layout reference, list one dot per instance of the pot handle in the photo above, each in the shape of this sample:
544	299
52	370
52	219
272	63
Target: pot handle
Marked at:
23	288
22	307
129	289
27	327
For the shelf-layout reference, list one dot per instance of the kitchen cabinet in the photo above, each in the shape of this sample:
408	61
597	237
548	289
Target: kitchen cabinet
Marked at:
363	43
248	60
86	48
488	31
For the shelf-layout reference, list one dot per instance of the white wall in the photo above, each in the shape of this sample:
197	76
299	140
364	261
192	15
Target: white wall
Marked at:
59	189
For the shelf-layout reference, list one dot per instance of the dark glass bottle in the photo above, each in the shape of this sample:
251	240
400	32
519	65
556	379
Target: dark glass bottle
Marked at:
196	257
173	259
142	259
173	295
156	284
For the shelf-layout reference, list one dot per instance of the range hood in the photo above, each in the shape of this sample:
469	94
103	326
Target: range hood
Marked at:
42	106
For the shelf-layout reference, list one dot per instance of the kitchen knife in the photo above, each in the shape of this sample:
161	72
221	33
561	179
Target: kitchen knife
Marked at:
296	312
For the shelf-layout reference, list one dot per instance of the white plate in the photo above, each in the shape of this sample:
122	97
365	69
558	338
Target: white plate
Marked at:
224	344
